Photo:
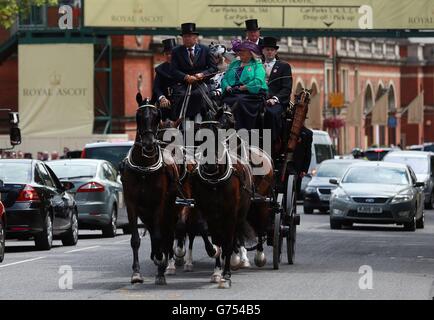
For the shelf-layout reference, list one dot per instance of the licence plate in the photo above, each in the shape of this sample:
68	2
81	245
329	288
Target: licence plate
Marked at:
325	198
369	209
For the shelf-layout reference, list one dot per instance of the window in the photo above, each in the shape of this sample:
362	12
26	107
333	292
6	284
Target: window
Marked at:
312	42
108	173
345	84
15	172
364	47
36	17
378	48
297	41
323	152
45	176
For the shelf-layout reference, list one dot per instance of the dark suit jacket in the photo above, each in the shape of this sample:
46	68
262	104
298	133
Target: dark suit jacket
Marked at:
303	150
162	82
203	62
280	82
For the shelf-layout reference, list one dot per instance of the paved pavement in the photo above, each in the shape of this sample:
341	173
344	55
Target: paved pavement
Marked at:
330	264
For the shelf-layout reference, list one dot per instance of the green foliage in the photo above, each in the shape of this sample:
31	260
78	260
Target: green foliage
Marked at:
9	9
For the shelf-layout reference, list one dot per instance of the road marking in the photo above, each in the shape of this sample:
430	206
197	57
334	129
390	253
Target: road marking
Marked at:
18	262
82	249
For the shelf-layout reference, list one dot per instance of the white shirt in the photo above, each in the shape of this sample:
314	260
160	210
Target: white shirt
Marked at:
268	67
188	51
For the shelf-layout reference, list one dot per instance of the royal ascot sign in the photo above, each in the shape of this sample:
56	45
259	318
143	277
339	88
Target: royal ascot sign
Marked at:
272	14
56	84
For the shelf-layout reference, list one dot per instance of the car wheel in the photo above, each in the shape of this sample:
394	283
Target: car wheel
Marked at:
410	226
420	223
70	238
307	210
110	230
348	224
2	241
335	225
44	240
323	211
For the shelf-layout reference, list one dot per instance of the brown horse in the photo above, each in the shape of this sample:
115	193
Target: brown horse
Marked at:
260	213
190	221
150	178
222	190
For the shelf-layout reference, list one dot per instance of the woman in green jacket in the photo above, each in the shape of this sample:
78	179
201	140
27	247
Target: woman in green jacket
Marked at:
244	84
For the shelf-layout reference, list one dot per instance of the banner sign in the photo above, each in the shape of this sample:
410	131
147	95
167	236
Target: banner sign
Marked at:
56	95
271	14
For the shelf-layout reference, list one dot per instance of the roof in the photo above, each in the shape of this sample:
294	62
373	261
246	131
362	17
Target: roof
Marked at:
343	161
382	164
409	153
76	161
379	149
29	161
109	144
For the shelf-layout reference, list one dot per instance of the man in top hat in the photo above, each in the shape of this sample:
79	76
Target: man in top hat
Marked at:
191	64
279	81
253	31
163	82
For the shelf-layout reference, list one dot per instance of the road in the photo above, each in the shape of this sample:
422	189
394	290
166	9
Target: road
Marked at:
327	267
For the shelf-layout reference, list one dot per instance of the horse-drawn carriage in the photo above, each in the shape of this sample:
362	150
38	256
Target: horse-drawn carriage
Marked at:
162	192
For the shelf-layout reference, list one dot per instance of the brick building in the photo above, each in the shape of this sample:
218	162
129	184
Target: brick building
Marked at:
352	66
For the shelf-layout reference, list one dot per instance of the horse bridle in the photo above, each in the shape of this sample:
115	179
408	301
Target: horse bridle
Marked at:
147	131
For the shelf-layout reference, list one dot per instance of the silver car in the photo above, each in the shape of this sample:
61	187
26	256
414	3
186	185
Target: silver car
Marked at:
422	164
98	193
377	192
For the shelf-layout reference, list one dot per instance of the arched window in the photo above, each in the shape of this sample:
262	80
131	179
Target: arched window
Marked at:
391	98
369	103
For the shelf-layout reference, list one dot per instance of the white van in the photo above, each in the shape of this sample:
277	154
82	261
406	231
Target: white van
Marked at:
322	149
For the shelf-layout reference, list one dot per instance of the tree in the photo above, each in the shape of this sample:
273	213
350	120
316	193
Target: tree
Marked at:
10	9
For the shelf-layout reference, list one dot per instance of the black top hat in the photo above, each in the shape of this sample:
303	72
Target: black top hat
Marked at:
252	25
188	28
270	42
168	44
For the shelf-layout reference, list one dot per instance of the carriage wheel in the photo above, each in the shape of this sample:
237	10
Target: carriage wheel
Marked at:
291	211
277	241
290	243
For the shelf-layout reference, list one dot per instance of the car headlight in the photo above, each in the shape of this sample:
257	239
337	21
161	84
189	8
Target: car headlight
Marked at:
310	190
402	197
340	194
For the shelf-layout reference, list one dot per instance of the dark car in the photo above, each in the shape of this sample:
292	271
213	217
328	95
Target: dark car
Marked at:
377	154
113	152
97	192
318	191
37	205
2	230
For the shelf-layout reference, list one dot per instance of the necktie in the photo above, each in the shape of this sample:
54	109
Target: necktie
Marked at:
191	55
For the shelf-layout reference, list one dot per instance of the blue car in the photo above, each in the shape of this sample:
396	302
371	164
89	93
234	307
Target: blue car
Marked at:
98	193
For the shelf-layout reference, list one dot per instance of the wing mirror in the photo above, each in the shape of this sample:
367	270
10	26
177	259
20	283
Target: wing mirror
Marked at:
334	181
419	184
